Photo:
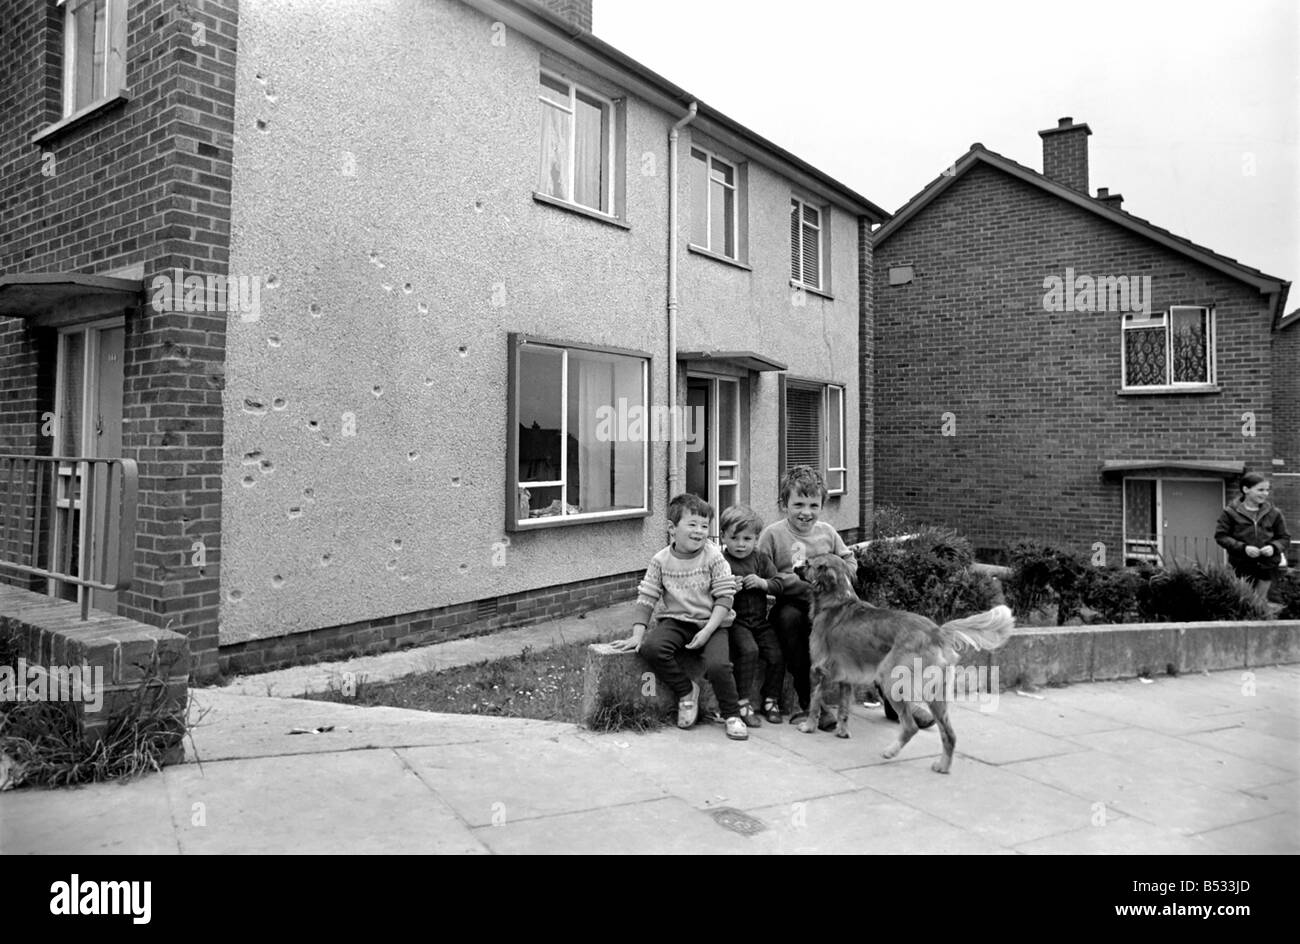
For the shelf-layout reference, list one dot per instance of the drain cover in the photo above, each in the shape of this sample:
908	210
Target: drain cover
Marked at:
736	821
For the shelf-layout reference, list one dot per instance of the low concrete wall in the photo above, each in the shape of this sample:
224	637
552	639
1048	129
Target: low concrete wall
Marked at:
119	653
1055	655
1032	657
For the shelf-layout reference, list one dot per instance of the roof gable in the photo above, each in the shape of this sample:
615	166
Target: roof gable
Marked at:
980	155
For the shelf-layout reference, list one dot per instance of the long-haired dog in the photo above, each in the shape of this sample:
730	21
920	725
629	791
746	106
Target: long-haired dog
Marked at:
856	643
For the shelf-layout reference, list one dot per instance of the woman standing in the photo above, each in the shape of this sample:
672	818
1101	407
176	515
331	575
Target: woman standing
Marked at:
1254	534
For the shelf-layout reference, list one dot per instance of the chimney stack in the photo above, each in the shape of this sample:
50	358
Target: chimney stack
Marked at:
1112	200
577	12
1065	154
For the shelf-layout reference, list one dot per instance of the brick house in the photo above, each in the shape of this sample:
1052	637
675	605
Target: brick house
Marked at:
397	341
1050	366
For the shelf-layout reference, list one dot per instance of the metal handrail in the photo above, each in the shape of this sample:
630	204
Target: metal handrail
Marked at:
30	473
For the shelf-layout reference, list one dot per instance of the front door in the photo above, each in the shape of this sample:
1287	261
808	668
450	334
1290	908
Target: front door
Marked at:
713	450
1191	510
87	424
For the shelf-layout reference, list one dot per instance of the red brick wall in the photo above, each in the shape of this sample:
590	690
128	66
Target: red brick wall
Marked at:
1033	392
1286	416
145	183
866	349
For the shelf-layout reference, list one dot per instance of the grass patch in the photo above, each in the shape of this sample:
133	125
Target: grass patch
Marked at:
545	685
42	742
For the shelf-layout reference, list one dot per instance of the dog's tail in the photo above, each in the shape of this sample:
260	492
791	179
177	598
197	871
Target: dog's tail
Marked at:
982	631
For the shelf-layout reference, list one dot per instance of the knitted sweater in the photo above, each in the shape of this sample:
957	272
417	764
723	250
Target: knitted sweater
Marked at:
685	588
786	548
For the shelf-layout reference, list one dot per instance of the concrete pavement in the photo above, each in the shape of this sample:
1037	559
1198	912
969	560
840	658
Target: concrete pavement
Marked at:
1197	764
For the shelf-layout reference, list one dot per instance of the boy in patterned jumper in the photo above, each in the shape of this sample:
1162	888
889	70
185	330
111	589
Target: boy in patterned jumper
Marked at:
689	589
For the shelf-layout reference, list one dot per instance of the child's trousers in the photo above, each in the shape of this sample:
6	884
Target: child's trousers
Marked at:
790	618
668	637
752	643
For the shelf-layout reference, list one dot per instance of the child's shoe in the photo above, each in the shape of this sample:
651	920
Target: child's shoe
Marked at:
772	711
688	708
736	729
750	716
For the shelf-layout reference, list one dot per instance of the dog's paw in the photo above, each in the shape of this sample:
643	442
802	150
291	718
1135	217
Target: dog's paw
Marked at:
890	752
806	728
841	732
940	766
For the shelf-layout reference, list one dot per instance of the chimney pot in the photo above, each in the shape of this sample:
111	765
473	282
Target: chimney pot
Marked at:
1066	122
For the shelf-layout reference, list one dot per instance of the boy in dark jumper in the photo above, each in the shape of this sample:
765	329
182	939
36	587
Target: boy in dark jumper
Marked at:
752	637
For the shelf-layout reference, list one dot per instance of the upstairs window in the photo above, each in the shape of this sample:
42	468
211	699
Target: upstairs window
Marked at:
577	145
1173	348
714	202
806	225
94	52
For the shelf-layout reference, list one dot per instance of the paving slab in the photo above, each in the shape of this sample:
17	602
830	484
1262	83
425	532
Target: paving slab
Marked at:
1278	834
705	769
351	803
989	801
668	826
1164	752
127	817
1161	798
526	777
869	734
247	726
864	822
1119	835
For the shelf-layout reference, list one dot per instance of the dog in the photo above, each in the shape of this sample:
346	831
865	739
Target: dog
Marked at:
856	643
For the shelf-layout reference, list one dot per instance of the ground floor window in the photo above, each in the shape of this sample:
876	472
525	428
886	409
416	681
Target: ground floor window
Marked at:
578	432
813	430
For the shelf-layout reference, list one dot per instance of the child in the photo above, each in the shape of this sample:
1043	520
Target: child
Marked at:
689	588
751	634
794	539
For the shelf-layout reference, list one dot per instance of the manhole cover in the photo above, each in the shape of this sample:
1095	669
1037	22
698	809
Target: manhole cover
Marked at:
736	821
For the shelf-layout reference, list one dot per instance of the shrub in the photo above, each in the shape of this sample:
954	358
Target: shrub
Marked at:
1191	594
928	574
1112	591
1286	591
1042	574
888	521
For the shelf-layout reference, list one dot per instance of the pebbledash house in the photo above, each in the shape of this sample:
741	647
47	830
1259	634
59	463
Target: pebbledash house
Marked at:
1052	367
400	339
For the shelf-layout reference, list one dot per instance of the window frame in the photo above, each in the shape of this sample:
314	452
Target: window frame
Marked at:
711	156
609	150
823	464
724	474
1165	317
822	228
516	343
114	66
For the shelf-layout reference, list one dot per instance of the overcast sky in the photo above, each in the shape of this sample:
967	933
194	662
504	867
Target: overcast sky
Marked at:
1192	105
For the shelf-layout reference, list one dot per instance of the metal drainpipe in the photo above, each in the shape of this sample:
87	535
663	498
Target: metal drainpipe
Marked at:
674	467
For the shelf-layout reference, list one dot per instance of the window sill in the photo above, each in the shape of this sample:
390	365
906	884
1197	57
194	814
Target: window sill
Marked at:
580	210
812	291
78	118
556	521
1166	391
717	256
